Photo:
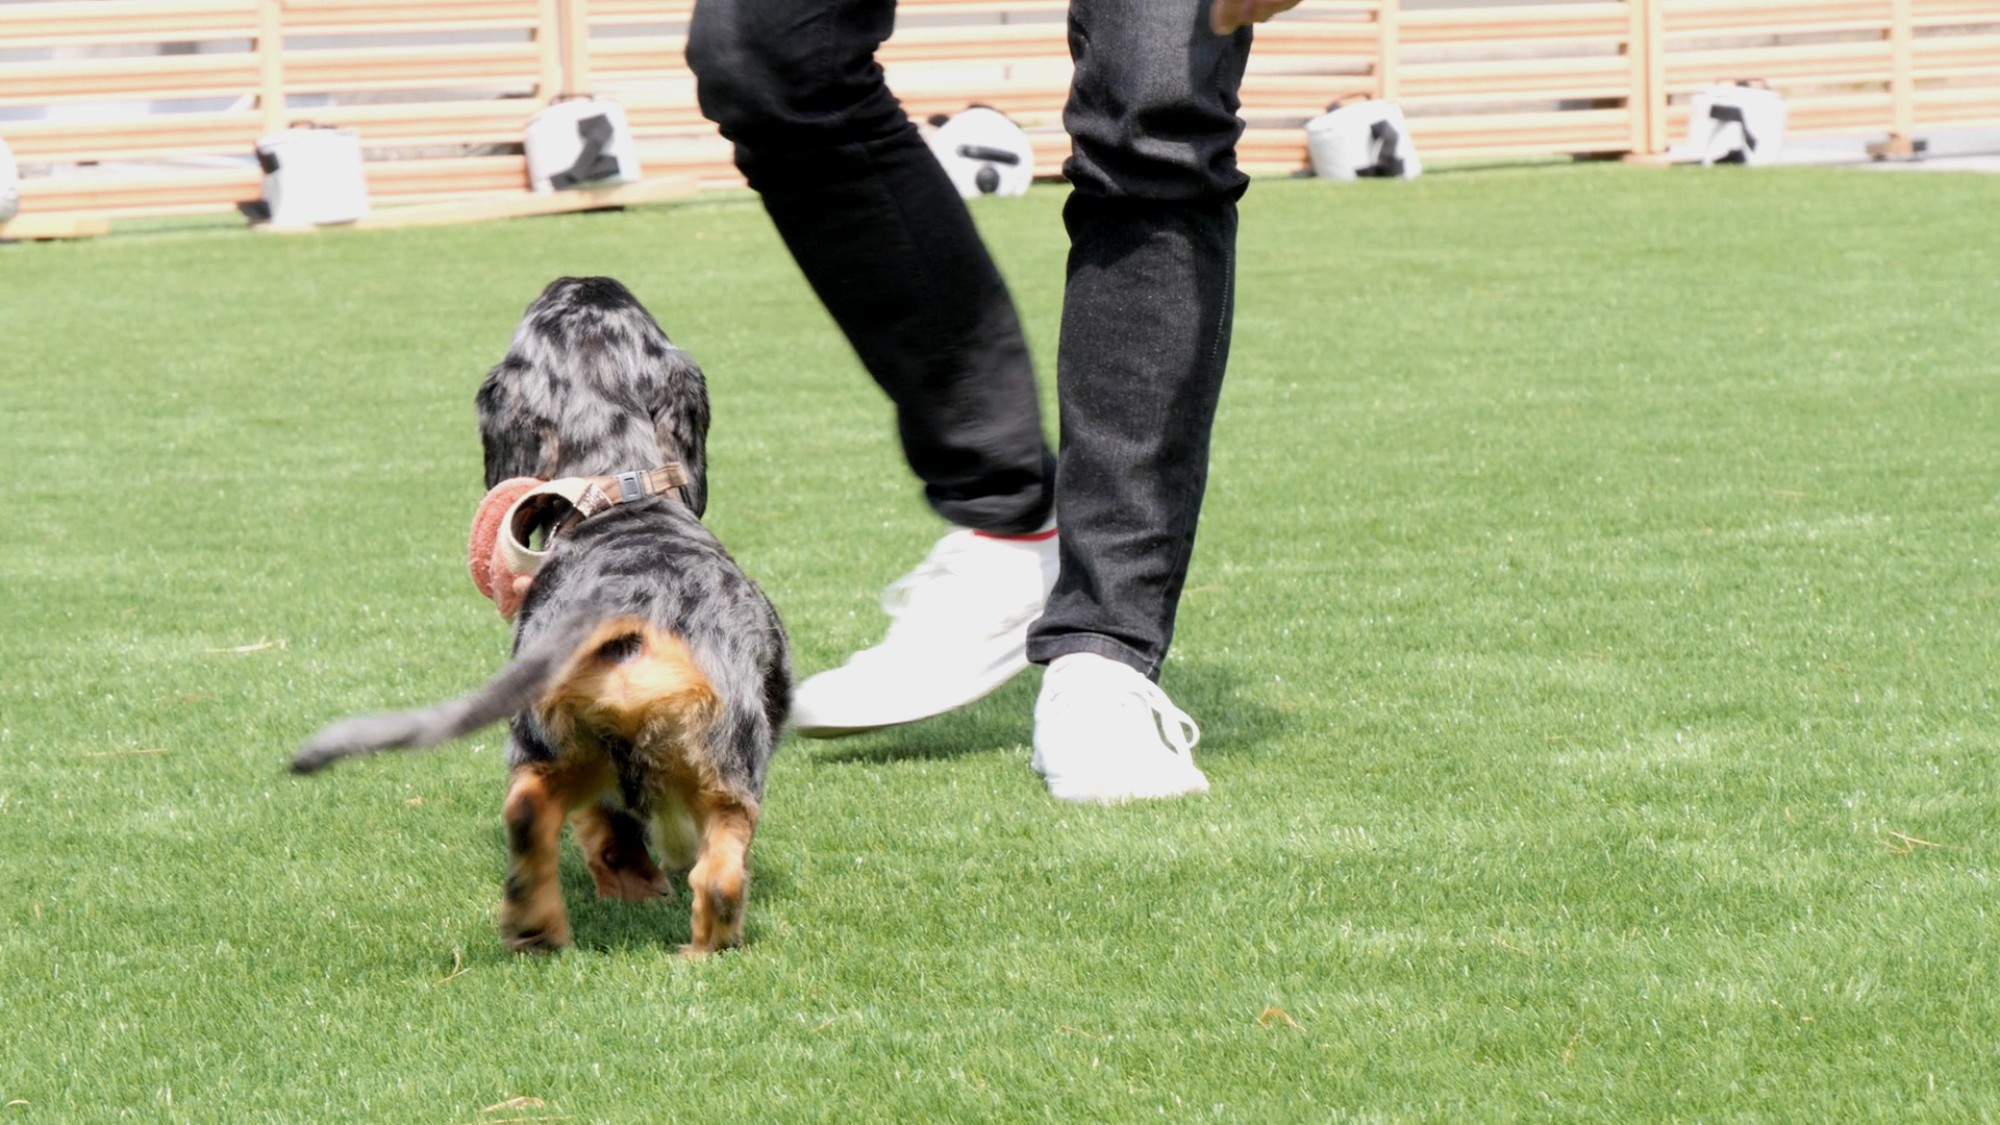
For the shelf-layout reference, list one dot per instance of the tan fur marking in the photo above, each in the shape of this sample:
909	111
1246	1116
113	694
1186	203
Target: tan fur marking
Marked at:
719	884
658	692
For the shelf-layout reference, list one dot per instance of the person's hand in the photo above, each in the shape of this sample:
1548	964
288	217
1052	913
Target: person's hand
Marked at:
1226	16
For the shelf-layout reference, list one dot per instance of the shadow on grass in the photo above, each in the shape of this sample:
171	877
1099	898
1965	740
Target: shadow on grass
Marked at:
598	925
1233	719
1215	694
1003	720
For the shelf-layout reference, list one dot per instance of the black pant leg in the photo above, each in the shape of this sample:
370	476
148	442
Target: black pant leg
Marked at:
1147	312
884	240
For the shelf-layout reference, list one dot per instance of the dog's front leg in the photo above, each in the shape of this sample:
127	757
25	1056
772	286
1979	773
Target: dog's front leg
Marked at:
531	911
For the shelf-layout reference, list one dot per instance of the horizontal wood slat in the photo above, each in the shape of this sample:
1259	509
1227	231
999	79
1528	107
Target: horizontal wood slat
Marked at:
1773	17
405	68
125	21
1958	56
1938	12
433	123
636	11
1515	24
1837	62
150	78
1608	77
1955	107
175	135
324	16
178	193
1524	134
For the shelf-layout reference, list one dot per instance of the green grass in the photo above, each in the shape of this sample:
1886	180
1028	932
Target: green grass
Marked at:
1594	632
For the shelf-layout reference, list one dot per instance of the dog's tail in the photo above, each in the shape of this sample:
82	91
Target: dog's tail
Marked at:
526	679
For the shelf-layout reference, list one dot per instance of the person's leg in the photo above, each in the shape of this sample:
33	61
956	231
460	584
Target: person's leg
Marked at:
885	241
1145	337
889	247
1146	321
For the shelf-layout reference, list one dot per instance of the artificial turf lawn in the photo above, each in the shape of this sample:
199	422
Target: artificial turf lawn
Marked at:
1593	629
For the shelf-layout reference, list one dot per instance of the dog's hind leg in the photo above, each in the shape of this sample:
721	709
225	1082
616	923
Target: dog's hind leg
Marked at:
539	799
719	884
614	848
675	832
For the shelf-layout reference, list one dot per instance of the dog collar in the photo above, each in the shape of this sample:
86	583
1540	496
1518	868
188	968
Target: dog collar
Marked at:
556	508
501	552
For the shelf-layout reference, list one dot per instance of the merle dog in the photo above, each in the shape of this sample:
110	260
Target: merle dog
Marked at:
650	678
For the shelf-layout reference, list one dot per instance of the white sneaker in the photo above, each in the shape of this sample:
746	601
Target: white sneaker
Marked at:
958	630
1106	733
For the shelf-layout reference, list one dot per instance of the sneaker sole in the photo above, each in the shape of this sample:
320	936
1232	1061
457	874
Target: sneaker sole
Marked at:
976	689
1113	795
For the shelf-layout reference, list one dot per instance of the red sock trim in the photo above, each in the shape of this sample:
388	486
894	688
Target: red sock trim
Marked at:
1031	537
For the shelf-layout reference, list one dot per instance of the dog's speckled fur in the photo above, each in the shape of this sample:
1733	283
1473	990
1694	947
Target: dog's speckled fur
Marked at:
651	678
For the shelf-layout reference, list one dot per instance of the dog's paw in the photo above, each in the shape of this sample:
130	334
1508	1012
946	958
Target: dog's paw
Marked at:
630	885
712	939
538	932
531	940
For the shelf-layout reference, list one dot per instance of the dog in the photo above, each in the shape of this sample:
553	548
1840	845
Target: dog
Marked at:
651	678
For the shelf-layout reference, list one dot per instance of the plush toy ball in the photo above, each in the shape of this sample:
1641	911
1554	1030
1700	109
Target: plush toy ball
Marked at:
484	556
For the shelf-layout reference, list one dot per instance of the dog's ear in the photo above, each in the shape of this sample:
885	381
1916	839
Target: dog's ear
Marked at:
680	422
511	435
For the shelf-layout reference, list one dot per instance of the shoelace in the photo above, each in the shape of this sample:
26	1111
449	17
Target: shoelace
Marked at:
1176	726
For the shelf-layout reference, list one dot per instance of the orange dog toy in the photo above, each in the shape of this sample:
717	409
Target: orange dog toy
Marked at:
486	556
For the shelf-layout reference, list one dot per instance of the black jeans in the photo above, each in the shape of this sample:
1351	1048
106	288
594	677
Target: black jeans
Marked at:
891	250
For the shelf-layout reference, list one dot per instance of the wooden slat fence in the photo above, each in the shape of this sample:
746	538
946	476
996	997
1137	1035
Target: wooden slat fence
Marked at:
152	107
1897	68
